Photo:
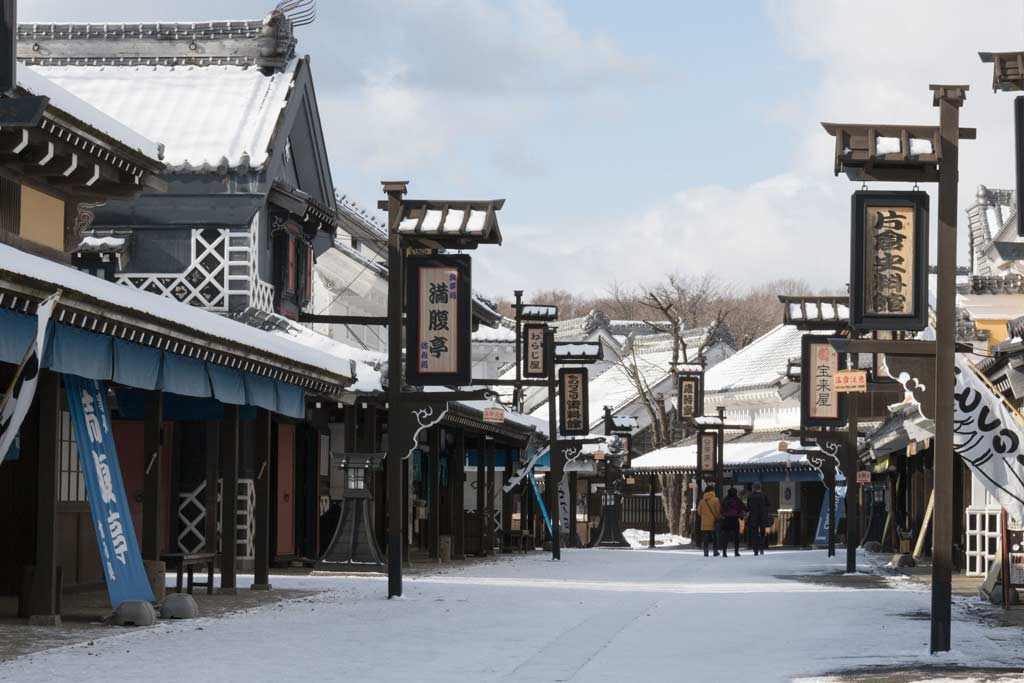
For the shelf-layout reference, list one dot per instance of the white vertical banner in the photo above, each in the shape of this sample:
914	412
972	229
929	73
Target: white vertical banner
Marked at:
563	505
18	399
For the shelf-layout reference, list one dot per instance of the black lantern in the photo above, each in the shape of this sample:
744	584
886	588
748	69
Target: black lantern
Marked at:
889	261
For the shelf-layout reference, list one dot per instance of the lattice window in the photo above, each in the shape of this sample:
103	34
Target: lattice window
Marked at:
983	533
261	294
70	481
192	516
192	519
204	284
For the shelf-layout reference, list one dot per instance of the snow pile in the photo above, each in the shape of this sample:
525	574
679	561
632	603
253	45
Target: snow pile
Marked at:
638	538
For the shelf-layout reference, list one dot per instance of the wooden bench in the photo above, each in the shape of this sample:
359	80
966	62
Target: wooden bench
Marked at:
187	562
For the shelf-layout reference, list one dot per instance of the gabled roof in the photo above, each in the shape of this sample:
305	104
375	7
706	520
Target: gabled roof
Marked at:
995	247
206	116
761	363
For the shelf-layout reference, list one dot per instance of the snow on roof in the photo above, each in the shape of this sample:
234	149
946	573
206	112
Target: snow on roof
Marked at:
763	362
738	453
366	363
992	306
86	112
494	335
338	362
510	416
614	388
204	115
91	243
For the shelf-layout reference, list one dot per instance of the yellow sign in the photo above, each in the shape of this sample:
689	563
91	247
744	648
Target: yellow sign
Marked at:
851	381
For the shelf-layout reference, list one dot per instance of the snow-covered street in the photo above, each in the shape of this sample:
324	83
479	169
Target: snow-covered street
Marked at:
598	615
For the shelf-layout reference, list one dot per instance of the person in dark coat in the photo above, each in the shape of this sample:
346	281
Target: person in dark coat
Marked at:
758	517
732	513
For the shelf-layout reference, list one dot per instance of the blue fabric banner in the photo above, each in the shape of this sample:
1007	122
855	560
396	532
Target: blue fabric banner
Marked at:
115	534
821	535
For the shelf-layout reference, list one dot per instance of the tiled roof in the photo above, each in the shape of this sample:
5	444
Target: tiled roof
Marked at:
761	363
743	452
205	116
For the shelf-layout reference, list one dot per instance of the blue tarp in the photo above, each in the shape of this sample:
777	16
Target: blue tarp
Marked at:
95	356
228	385
136	365
72	351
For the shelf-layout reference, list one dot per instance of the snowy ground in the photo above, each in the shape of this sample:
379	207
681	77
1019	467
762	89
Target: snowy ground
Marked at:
598	615
638	538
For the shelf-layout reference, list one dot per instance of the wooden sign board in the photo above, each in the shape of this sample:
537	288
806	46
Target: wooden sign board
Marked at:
535	362
889	261
852	381
573	402
863	477
688	396
438	321
820	404
494	415
707	446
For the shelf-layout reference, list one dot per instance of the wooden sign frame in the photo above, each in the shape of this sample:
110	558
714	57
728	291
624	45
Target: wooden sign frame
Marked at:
460	330
808	343
533	328
563	374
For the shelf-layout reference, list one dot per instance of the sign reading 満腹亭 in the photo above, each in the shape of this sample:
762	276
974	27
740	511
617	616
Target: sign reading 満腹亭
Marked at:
438	320
707	445
534	356
889	261
573	404
688	395
821	405
123	569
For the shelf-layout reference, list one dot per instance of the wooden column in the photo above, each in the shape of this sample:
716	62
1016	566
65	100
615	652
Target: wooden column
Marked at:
261	448
457	480
481	488
152	442
44	602
511	465
489	500
574	540
652	507
212	444
229	499
434	494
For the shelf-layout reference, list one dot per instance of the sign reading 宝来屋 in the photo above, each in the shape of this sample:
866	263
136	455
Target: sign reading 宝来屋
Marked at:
534	357
574	413
111	515
888	278
820	404
438	326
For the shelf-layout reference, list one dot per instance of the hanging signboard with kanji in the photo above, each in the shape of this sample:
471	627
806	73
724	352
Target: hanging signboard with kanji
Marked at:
573	404
688	395
889	266
438	323
707	444
821	405
534	352
852	381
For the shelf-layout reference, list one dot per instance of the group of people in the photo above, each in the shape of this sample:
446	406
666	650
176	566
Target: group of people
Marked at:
720	520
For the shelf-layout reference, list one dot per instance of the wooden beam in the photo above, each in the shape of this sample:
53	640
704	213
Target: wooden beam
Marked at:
261	449
152	443
489	500
44	600
434	493
229	499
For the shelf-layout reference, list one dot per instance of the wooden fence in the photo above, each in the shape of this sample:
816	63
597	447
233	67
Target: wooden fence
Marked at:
636	514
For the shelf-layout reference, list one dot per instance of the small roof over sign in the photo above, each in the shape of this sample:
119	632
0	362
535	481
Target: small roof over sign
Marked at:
456	224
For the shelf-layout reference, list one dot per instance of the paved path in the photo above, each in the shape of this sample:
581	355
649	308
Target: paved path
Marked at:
599	615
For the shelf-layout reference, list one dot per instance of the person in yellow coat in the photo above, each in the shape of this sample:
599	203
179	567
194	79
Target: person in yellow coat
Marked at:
709	510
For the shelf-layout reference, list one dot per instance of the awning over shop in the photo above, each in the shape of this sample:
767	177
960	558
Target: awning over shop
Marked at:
96	356
748	457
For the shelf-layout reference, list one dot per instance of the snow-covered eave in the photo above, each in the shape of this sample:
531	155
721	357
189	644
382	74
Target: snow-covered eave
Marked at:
107	129
36	277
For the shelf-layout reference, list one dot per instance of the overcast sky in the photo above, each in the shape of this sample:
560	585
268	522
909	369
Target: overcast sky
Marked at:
632	139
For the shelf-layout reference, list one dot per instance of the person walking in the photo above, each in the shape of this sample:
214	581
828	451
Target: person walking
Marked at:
709	510
758	517
732	511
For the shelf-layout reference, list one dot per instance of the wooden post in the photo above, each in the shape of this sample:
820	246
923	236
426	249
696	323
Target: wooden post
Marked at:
457	480
43	607
1004	556
574	540
434	494
511	465
229	499
949	99
651	503
481	488
489	500
152	442
212	445
397	436
261	447
852	487
554	476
